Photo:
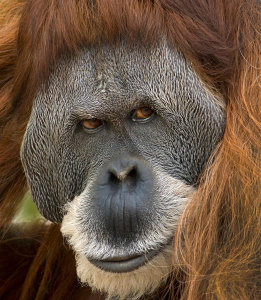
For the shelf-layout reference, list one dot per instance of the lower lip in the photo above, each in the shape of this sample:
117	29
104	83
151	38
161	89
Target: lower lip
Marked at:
123	266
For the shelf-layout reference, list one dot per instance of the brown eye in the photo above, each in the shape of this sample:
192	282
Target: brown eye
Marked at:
92	124
142	114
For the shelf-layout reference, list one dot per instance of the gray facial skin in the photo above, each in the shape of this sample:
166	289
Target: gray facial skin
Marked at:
63	162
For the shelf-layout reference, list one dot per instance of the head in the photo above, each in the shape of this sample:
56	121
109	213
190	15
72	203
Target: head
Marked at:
114	148
140	137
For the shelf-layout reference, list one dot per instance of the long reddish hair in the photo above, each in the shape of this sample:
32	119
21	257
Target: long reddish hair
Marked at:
217	249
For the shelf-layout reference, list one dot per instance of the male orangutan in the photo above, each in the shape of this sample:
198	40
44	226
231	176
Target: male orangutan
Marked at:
136	127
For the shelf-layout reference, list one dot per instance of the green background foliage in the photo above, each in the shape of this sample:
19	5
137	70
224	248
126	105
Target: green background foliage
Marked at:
28	211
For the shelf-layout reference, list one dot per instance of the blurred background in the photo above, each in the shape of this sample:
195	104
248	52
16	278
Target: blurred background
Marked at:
28	211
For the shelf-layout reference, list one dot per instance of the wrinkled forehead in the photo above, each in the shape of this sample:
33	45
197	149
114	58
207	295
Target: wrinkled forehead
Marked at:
99	77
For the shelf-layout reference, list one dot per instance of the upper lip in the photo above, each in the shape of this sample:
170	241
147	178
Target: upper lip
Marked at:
119	258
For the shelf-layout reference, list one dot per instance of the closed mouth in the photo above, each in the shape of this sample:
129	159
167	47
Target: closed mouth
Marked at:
124	264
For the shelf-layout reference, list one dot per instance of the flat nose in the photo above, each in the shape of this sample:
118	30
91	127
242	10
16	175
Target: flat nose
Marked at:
122	198
123	170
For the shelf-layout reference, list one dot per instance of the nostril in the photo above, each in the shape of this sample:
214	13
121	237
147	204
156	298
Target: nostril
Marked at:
113	178
127	174
132	177
133	173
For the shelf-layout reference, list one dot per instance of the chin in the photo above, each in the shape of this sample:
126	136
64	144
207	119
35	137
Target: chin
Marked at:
133	283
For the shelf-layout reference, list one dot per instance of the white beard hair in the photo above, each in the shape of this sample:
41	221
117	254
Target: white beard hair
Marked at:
130	285
146	279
